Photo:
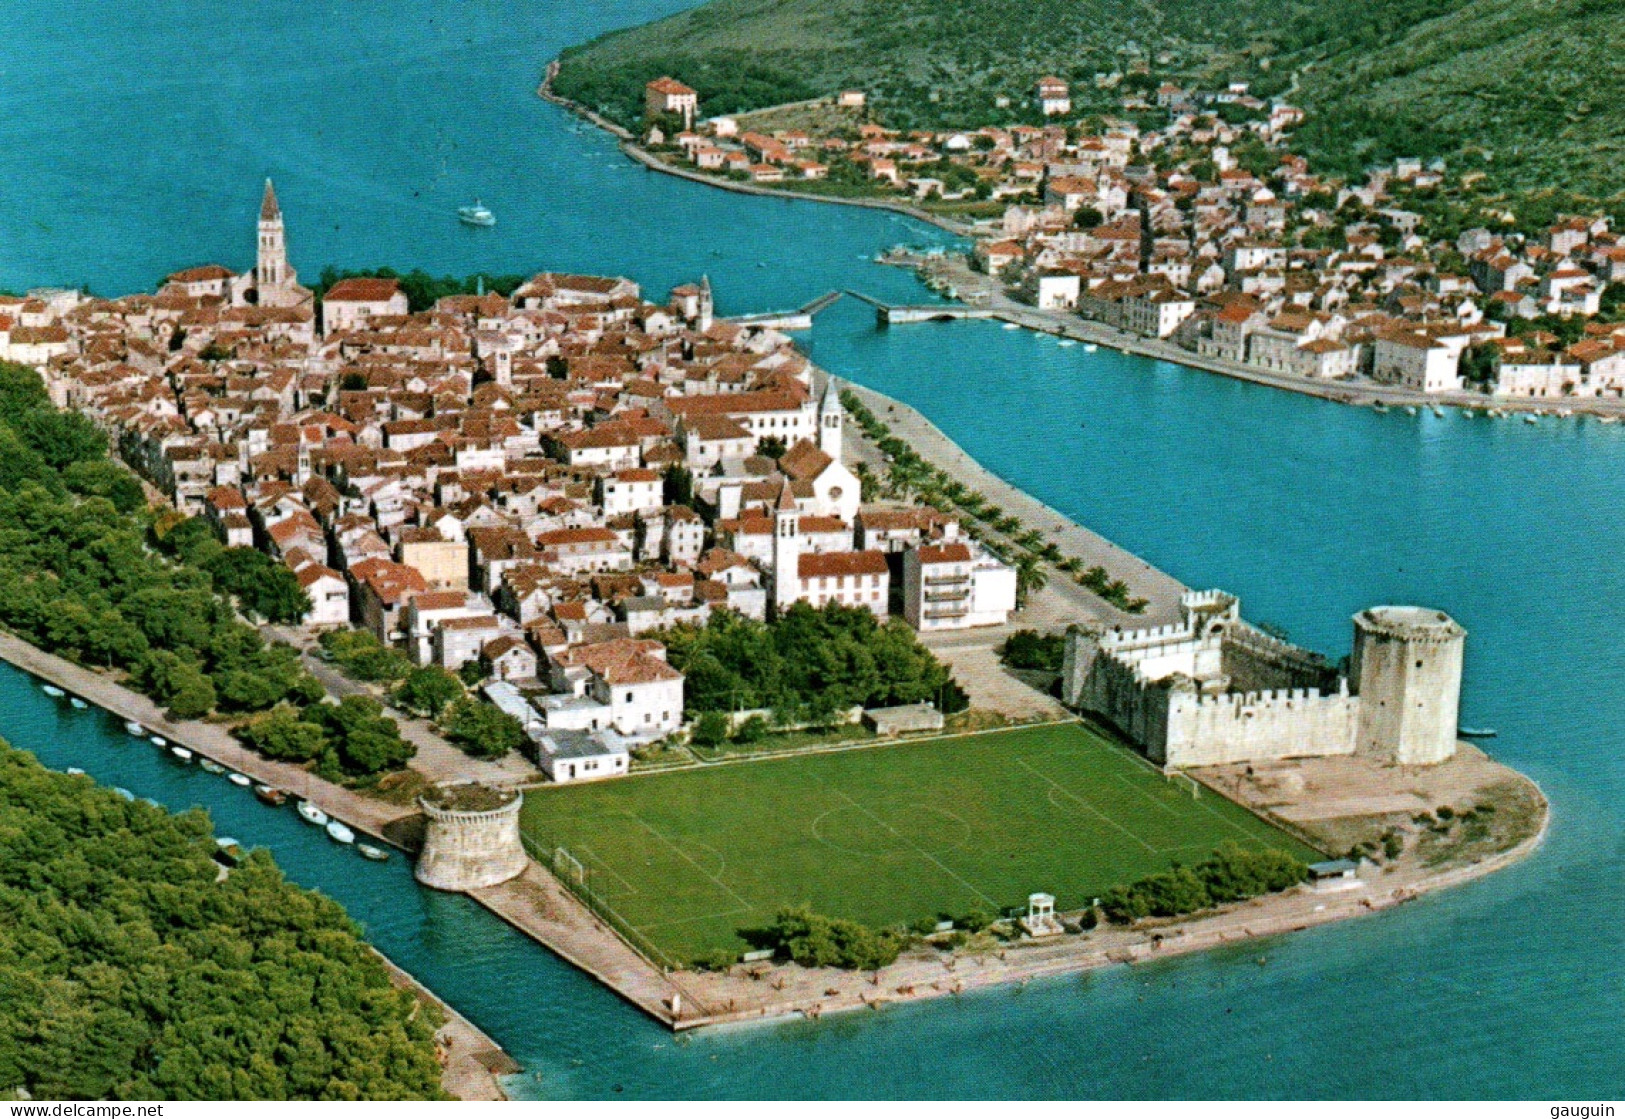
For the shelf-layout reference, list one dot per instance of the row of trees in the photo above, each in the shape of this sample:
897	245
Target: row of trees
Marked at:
1232	873
91	577
130	972
1026	549
423	290
808	666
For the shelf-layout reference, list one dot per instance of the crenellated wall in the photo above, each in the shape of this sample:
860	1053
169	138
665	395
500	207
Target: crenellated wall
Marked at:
1215	690
1258	726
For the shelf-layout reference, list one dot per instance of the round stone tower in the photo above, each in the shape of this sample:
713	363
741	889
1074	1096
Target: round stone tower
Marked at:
1406	670
472	838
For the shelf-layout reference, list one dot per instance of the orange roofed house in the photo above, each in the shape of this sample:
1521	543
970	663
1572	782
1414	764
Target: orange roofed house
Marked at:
623	685
668	95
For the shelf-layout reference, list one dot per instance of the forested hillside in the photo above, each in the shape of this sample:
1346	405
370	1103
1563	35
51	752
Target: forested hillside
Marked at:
1525	89
131	970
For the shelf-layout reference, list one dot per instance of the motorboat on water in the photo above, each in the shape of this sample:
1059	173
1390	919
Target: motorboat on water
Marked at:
181	753
371	853
1531	418
74	771
239	779
209	765
125	793
1476	732
1066	342
1090	347
338	833
1438	411
310	814
1410	409
1378	406
274	797
53	691
477	214
159	740
1012	326
77	702
135	730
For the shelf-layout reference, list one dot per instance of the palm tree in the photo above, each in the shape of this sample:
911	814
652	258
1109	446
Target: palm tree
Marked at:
1030	577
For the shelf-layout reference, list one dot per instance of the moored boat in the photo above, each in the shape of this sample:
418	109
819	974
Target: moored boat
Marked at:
276	798
1531	418
209	765
135	730
310	814
125	793
1378	406
1476	732
374	854
228	851
338	833
1090	347
181	753
1438	411
77	702
239	779
159	740
74	771
53	691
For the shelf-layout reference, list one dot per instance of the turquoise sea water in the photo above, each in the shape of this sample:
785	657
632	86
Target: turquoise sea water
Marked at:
132	142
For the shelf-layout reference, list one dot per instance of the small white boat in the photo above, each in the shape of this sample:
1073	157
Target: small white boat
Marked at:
1531	418
125	793
159	740
338	833
1012	326
75	771
1090	347
371	853
1066	342
239	779
1608	419
1438	411
77	702
209	765
310	814
477	214
53	691
1410	409
181	753
135	729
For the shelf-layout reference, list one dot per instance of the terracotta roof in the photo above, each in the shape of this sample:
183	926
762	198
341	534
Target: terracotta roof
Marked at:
362	289
820	564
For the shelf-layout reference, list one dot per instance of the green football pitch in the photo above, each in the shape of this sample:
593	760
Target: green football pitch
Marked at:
885	835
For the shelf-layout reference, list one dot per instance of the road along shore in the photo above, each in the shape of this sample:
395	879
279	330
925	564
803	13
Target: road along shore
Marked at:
636	151
470	1060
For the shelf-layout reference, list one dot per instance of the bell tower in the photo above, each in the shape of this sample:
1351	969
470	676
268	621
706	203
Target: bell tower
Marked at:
831	421
786	551
274	279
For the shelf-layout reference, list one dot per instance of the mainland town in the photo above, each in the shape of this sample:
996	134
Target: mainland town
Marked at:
1208	235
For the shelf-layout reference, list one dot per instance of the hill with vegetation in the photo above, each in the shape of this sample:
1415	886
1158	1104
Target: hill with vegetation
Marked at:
1519	88
134	967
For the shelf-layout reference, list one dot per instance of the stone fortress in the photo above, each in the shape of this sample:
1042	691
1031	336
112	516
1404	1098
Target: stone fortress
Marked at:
471	837
1214	690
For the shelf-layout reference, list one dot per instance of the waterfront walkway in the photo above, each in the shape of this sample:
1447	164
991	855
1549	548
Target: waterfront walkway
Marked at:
471	1060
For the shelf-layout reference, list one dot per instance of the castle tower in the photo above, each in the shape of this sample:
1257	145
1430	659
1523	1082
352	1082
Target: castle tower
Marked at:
472	838
707	307
275	280
831	418
1406	669
786	551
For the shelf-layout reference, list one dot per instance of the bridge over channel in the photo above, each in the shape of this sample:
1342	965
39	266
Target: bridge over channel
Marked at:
886	314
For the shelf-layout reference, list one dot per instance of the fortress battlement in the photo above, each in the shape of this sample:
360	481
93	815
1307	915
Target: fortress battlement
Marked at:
1217	690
